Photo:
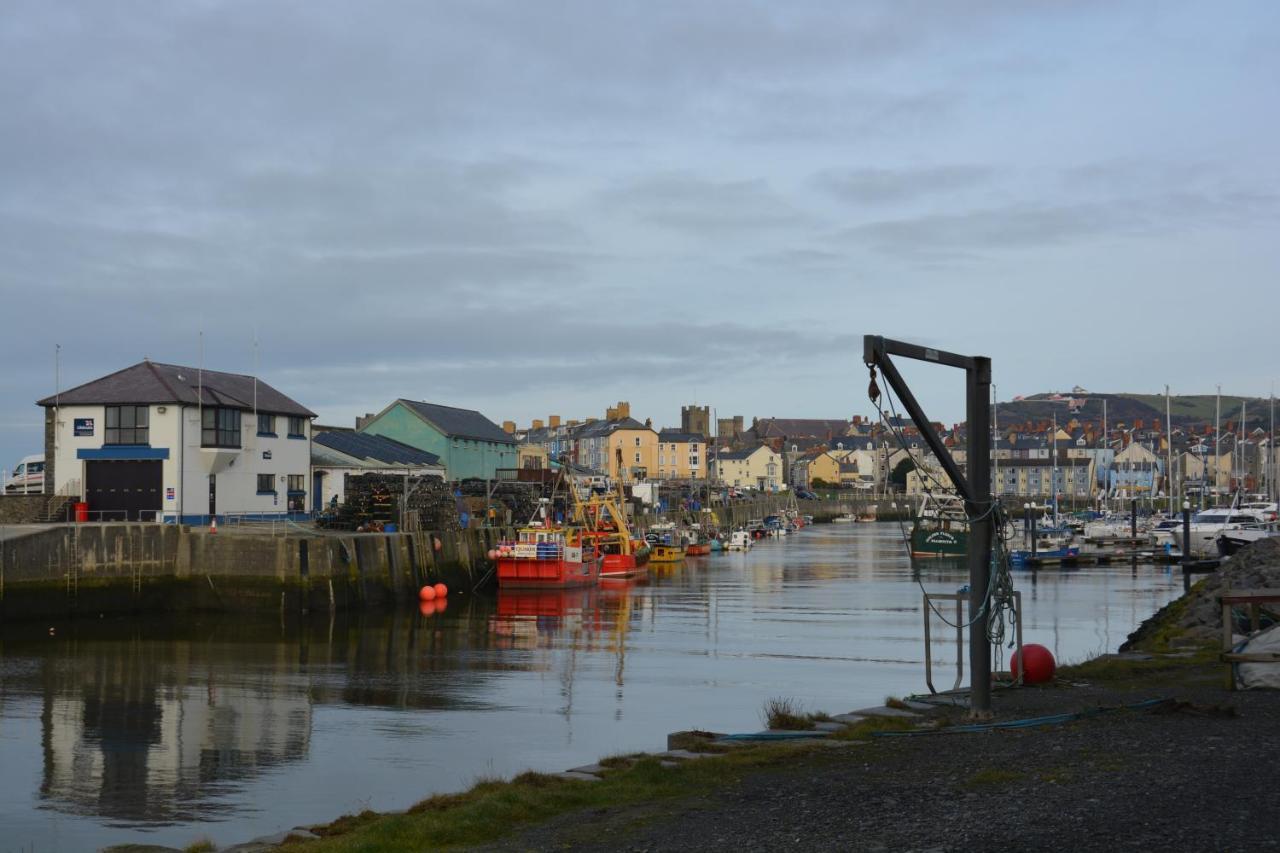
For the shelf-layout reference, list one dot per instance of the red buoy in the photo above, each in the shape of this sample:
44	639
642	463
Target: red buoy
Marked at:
427	608
427	593
1037	662
441	590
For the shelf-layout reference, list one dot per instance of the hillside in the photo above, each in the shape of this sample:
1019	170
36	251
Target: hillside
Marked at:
1128	407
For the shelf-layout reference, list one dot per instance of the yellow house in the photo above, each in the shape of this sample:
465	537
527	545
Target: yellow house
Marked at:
758	468
602	443
681	455
826	468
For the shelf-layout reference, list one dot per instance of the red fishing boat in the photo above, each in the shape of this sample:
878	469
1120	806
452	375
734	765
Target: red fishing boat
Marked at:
548	558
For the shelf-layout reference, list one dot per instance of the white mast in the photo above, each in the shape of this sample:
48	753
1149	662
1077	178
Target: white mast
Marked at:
57	408
1168	461
200	388
1240	436
995	438
1217	425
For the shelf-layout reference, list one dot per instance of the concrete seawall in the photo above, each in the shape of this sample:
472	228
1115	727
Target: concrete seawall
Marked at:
84	569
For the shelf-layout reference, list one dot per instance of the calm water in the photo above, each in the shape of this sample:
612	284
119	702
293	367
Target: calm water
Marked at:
116	731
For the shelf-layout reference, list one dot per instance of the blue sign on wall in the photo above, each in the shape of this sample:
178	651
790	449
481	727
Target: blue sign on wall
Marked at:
83	426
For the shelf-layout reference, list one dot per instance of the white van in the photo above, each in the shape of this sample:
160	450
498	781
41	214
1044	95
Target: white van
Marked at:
27	477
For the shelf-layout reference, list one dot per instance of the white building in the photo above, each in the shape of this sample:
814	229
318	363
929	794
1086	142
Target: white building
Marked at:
158	441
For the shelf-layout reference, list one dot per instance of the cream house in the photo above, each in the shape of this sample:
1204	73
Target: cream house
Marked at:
758	468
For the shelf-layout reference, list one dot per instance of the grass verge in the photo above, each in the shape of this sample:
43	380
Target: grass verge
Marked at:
492	809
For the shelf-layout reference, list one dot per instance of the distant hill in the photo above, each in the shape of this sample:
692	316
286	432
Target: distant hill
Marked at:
1127	408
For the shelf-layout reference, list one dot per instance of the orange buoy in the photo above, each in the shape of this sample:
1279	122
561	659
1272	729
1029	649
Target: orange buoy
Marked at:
493	553
427	608
442	604
427	593
441	590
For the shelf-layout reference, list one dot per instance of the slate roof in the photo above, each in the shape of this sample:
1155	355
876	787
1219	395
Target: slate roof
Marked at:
735	454
459	423
377	448
150	382
675	435
817	427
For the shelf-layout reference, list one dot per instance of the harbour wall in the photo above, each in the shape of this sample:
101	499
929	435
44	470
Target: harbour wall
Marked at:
91	569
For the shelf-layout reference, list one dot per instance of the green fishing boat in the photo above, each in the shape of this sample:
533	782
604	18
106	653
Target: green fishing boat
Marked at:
941	528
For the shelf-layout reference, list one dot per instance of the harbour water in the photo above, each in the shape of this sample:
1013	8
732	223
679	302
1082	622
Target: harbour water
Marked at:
118	731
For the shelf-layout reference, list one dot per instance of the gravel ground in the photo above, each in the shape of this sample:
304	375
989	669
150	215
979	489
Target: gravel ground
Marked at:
1129	780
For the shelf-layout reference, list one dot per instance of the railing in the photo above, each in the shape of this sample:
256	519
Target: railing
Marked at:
103	516
960	598
274	525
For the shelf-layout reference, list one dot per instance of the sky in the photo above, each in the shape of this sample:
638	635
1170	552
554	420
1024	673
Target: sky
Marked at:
536	208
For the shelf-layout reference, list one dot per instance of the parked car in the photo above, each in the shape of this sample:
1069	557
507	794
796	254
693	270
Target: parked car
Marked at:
806	495
27	477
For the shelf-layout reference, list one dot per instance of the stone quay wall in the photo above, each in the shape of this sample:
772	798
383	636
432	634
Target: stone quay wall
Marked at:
91	569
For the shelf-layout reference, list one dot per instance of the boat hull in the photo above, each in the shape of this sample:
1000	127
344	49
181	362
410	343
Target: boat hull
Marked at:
698	549
666	554
939	543
527	573
622	566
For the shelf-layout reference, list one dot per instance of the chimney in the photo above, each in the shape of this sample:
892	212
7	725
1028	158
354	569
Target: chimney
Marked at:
553	421
509	427
537	423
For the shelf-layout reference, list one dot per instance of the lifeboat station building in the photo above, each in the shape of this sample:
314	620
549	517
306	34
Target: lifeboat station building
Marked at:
160	442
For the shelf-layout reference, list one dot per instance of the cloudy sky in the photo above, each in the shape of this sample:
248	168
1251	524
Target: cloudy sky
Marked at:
535	207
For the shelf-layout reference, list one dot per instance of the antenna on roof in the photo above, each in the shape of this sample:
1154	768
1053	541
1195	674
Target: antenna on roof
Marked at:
200	385
255	378
57	391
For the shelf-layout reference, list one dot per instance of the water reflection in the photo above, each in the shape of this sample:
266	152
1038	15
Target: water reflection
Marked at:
112	731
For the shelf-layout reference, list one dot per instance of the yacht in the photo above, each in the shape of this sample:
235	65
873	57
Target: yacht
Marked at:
1207	526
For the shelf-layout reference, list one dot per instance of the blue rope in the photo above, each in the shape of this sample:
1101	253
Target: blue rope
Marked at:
1032	722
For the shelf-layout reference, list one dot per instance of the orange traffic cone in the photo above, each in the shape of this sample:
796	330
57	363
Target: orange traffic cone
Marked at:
213	525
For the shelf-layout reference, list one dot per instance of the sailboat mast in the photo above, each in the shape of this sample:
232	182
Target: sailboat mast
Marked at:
1217	448
1168	439
995	437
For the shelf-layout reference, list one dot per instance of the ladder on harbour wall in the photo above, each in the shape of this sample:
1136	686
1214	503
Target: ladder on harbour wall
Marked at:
73	557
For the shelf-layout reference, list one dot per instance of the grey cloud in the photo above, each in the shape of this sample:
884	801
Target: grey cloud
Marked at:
875	186
686	201
941	236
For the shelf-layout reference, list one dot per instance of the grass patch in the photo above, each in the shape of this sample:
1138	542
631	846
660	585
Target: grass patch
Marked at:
993	776
202	845
696	741
1112	669
615	761
491	809
868	727
785	713
895	702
